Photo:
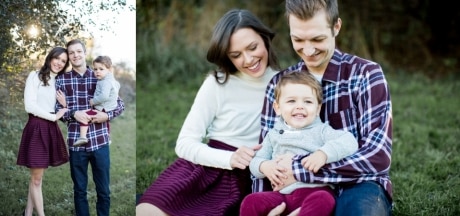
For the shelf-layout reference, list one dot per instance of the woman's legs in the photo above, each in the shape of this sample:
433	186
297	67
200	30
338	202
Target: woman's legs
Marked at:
147	209
35	196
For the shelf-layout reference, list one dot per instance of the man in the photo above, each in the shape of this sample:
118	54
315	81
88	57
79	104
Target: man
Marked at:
78	87
356	99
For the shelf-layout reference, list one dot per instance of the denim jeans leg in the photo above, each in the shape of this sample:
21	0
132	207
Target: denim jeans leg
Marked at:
100	164
79	173
362	199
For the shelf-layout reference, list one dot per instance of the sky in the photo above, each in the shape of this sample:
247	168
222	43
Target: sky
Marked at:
120	43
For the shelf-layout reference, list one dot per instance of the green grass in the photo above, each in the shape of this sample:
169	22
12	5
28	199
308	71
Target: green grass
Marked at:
425	159
57	184
426	136
159	120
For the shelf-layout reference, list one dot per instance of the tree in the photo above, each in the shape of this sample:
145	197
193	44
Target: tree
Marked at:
31	27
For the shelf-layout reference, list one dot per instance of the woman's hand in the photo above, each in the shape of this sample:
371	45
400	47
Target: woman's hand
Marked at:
242	156
60	97
60	113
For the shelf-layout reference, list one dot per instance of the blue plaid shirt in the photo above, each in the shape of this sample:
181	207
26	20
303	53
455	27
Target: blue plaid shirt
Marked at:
78	91
356	98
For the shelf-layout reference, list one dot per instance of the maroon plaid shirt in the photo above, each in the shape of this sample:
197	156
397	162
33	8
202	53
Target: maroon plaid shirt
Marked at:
79	89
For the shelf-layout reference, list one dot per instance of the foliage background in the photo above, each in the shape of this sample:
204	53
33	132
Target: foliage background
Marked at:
417	48
56	21
401	34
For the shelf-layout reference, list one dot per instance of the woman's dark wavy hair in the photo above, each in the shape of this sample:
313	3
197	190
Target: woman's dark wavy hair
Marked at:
44	72
232	21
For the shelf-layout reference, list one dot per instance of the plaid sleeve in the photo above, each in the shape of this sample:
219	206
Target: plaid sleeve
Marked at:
117	111
373	130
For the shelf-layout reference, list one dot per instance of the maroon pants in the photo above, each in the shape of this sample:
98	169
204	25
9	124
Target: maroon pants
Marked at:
92	112
312	201
89	112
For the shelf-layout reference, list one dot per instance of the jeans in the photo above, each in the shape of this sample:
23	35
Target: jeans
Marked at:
362	199
100	165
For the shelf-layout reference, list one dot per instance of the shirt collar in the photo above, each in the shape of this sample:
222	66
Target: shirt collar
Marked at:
88	72
332	69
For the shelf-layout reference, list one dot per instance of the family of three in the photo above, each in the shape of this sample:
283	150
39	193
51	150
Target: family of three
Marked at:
313	139
52	94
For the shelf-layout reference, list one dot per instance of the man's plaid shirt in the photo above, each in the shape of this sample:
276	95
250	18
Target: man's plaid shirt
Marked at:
356	98
78	91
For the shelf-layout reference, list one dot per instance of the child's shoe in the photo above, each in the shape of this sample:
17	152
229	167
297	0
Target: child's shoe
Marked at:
80	141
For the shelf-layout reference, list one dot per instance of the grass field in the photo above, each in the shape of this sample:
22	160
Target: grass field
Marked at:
426	136
57	184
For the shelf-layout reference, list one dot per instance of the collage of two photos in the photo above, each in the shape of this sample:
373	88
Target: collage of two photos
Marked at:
168	107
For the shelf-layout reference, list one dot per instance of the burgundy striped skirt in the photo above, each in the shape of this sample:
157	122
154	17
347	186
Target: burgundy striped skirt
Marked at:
187	189
42	144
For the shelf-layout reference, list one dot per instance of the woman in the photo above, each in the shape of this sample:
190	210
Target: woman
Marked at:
213	178
42	143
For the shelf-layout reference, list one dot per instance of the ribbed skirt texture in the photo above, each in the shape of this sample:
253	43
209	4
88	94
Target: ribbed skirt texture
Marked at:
42	144
185	188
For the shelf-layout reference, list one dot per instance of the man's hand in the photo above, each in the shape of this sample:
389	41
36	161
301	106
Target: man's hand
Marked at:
285	163
82	117
278	210
99	117
273	172
279	171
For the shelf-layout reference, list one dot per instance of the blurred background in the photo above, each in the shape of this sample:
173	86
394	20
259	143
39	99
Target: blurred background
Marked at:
417	36
417	43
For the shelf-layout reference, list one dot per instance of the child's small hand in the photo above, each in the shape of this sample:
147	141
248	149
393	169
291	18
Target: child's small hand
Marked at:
314	161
